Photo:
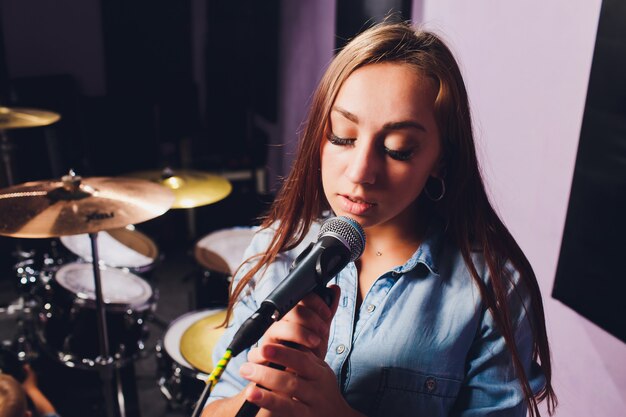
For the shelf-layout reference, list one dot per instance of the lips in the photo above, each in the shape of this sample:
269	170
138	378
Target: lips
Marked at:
355	205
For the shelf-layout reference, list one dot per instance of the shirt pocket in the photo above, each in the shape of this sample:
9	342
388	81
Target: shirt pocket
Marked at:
404	392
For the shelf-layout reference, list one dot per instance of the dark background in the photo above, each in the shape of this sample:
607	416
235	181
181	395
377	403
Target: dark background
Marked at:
153	110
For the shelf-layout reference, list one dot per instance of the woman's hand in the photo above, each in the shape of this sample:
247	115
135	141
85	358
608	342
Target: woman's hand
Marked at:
307	324
307	387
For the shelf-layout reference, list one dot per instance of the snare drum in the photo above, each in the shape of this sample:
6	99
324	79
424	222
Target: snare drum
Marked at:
180	382
66	325
119	248
219	253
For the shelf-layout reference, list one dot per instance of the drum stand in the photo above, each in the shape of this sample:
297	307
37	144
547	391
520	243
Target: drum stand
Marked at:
105	360
6	149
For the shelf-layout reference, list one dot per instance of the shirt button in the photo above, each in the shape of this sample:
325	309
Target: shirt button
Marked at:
430	384
341	349
371	308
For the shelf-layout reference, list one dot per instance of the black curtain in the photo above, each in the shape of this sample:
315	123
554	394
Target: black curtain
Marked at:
354	16
591	277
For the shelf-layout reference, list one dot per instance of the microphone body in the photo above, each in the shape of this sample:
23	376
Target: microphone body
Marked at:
340	241
317	265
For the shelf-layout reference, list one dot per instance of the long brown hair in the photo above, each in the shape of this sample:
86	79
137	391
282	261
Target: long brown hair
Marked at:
301	200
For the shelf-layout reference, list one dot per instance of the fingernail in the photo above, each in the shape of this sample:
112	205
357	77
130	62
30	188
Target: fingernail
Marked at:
269	351
246	369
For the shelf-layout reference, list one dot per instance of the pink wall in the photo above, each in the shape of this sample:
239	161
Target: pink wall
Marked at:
527	66
306	47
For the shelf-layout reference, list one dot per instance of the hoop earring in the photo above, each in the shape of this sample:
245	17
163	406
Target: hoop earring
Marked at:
442	193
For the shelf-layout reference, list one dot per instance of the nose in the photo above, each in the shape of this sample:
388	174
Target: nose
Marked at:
363	165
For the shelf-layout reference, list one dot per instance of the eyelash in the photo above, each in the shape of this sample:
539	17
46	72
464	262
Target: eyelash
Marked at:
397	155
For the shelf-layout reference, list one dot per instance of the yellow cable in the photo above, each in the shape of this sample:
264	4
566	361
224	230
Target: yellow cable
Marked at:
219	369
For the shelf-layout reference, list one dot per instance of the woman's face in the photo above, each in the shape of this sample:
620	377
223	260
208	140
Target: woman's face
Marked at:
381	145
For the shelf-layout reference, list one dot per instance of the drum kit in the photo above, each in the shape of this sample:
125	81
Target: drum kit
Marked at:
90	310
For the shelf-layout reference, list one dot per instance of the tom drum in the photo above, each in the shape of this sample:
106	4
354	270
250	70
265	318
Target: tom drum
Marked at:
118	248
219	254
66	325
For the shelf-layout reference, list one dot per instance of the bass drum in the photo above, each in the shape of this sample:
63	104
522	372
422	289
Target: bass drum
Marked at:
189	338
66	325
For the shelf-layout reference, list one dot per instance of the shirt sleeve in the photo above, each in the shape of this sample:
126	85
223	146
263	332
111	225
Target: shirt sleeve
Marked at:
491	387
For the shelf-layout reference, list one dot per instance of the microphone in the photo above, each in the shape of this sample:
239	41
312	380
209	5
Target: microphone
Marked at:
340	240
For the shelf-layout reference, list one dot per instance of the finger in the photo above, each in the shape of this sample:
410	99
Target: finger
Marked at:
254	355
274	402
304	364
286	331
282	382
308	318
314	302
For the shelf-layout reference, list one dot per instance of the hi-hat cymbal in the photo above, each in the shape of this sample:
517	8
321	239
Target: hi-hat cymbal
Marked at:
17	118
191	188
76	205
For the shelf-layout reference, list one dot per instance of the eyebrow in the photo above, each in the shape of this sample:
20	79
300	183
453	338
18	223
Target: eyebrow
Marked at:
387	126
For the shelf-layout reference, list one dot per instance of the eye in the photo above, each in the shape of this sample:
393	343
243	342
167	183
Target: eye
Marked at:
399	155
336	140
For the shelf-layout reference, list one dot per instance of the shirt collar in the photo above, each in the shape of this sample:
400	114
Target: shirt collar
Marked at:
428	252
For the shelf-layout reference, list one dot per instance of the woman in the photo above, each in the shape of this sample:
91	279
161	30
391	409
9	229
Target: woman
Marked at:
442	314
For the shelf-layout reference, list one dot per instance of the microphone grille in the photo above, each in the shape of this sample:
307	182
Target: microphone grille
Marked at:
349	231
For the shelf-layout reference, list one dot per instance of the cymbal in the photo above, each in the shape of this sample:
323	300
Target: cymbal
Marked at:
76	205
191	188
200	338
19	117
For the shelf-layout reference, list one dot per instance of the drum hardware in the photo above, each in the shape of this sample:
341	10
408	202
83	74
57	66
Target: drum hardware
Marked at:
157	320
74	205
36	267
21	310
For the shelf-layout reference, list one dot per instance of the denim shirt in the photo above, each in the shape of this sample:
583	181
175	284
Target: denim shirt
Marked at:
421	343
